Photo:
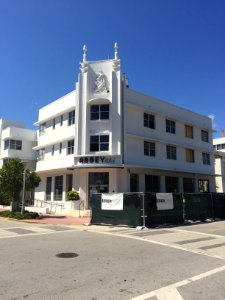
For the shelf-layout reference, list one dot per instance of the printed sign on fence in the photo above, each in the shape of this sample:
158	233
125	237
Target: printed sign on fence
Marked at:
112	201
164	201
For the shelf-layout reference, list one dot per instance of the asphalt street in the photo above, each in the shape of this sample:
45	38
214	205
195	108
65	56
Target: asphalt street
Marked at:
105	262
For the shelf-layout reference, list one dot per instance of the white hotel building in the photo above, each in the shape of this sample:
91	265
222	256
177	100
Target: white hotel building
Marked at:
17	141
219	153
106	137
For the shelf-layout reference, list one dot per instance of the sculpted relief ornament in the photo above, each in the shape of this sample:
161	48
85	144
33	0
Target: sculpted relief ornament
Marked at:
100	83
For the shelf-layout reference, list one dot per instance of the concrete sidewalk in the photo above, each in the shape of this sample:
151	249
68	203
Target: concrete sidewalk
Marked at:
59	220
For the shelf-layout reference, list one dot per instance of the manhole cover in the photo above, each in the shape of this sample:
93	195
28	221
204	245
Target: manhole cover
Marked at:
67	255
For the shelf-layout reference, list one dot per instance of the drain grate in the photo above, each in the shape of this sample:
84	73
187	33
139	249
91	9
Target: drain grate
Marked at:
67	255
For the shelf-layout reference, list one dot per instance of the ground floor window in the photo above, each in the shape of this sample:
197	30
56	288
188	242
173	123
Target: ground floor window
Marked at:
188	185
203	186
98	183
48	188
69	182
134	183
152	184
172	184
58	188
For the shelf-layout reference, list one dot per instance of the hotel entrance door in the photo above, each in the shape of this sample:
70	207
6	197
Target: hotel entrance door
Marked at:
98	182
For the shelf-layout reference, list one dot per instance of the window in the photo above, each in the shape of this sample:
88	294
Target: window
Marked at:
100	112
203	186
99	143
40	154
171	152
149	121
69	182
48	188
170	126
205	135
152	184
205	158
61	120
53	149
60	148
13	144
134	183
189	131
149	148
71	118
42	128
190	155
188	185
172	184
58	188
70	147
53	123
219	146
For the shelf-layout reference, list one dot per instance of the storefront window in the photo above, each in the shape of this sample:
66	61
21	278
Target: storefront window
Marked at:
152	184
188	185
172	184
134	183
48	188
58	188
203	186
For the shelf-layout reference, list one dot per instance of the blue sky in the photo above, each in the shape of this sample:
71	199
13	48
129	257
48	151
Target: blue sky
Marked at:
170	49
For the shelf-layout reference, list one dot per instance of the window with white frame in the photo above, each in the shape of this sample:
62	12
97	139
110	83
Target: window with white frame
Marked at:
190	155
60	148
61	120
71	118
99	143
205	158
42	129
189	131
99	112
53	149
70	147
40	154
205	136
171	152
13	144
149	121
149	148
170	126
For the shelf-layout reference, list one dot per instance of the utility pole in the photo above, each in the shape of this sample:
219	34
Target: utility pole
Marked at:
23	195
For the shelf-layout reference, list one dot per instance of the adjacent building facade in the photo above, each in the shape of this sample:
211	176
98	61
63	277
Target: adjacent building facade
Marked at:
17	141
219	155
106	137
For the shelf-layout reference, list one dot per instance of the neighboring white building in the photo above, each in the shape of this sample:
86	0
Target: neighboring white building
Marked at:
219	154
106	137
17	142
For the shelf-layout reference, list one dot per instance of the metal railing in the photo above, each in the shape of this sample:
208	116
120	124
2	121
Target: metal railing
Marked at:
50	205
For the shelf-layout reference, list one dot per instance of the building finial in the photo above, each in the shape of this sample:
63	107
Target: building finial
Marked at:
84	54
116	50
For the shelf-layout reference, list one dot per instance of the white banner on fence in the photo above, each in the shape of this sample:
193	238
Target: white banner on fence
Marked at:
164	201
112	201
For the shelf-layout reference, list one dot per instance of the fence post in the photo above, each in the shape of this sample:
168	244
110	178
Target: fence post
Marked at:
184	212
143	211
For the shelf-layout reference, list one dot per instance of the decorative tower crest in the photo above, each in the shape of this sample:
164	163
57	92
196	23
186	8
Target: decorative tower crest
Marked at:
84	66
116	61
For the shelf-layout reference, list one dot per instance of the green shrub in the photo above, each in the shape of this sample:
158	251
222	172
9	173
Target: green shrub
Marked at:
18	215
5	198
72	195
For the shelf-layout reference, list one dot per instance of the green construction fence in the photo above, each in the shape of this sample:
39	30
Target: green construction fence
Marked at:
186	206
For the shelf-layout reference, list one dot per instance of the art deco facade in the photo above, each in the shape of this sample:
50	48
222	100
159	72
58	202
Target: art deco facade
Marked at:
107	137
